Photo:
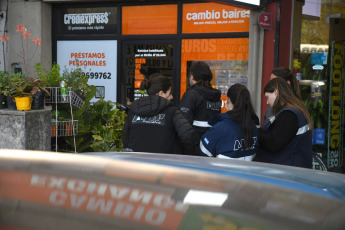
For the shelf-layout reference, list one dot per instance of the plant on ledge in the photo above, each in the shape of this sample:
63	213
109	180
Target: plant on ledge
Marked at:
24	55
21	85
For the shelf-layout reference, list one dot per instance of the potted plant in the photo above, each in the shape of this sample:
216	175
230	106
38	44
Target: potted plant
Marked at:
38	92
21	95
4	89
78	82
10	93
51	79
61	123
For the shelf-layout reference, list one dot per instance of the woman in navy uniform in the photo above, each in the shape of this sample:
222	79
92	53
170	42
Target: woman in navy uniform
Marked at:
286	138
234	134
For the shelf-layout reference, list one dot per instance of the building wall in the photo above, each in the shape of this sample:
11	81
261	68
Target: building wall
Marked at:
268	54
36	17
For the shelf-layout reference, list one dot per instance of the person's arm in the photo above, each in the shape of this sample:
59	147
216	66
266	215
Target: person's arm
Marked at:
187	105
209	142
284	129
185	132
267	115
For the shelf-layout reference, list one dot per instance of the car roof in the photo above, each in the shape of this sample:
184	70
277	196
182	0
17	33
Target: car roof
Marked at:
162	191
313	181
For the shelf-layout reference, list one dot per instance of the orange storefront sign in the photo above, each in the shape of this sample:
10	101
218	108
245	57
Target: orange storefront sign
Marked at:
214	18
215	49
153	19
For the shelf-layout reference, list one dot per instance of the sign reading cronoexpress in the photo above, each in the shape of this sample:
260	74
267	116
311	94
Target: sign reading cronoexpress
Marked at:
97	59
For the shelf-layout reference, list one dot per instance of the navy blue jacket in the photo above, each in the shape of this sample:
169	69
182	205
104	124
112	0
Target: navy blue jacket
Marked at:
298	152
224	139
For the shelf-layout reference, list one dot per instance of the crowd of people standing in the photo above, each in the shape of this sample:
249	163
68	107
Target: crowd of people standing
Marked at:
197	127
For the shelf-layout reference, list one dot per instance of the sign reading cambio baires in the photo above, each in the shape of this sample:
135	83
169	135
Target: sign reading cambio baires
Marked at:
97	59
214	18
98	20
143	206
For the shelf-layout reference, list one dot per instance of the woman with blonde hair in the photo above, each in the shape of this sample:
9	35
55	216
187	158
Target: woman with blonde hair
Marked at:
286	137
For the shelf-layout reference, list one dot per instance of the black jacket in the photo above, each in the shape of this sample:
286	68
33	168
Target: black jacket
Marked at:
198	105
155	125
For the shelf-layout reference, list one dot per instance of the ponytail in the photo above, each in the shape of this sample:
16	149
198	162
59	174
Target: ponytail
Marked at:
243	112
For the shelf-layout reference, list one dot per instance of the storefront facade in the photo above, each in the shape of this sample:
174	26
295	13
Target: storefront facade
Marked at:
118	43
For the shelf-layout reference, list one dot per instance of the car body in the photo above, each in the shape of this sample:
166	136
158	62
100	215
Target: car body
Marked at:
44	190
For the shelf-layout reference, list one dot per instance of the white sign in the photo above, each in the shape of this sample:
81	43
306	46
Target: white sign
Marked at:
98	61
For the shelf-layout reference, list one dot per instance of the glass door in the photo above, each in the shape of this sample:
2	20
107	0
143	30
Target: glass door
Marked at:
142	59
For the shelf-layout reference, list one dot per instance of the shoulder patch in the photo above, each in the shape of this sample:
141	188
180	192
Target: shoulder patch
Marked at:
184	109
206	140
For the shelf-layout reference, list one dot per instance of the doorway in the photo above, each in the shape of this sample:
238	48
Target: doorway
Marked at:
142	59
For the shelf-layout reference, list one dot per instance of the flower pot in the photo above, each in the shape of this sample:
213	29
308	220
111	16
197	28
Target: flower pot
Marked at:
2	101
11	103
38	101
23	103
53	130
68	129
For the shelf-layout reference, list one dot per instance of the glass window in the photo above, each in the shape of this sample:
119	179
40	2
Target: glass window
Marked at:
321	76
158	19
141	62
98	61
227	58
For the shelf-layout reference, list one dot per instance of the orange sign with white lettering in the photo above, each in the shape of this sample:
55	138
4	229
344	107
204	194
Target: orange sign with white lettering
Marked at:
214	18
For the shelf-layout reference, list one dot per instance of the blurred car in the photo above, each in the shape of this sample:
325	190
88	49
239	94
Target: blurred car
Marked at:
44	190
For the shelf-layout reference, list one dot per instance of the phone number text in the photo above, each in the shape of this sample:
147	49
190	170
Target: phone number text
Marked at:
97	75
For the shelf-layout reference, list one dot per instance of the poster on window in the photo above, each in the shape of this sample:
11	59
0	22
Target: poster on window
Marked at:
97	60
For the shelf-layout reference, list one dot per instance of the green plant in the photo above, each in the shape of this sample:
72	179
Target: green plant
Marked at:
20	85
37	86
100	125
78	82
49	77
60	115
107	123
6	79
5	87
